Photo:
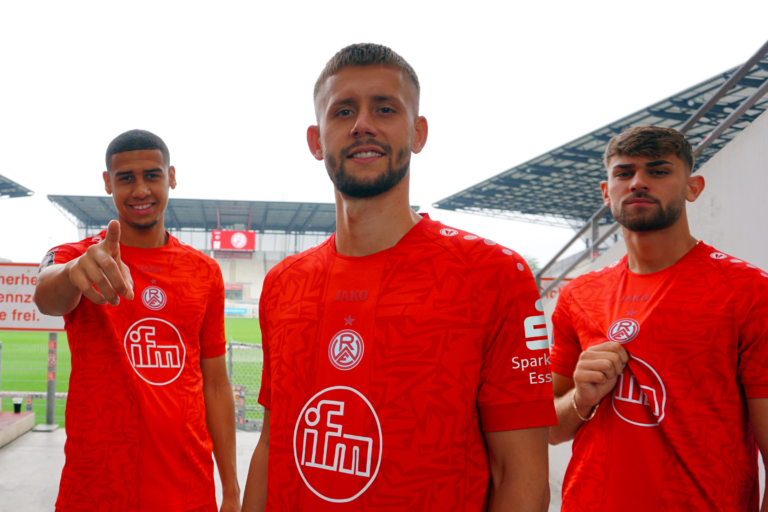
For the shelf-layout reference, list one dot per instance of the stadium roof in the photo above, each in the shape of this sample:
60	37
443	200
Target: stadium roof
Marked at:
9	188
550	189
207	214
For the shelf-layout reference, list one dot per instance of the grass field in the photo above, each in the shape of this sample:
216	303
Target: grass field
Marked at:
25	355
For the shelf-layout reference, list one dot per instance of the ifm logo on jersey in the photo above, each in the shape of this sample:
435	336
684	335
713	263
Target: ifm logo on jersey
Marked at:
337	444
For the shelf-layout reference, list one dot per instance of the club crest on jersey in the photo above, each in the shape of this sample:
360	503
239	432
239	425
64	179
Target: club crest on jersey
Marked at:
449	232
640	397
156	350
153	298
346	349
624	330
337	444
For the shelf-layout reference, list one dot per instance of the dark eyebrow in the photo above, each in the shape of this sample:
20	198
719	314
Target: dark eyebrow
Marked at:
125	173
624	166
345	101
384	98
657	163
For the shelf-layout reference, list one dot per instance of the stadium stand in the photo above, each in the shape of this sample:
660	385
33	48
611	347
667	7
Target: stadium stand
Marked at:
9	189
549	189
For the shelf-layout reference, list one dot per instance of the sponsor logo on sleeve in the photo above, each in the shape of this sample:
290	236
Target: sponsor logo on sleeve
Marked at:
337	444
536	330
48	260
449	232
156	350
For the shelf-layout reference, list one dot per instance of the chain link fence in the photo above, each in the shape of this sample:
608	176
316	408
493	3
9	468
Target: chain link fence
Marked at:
245	362
24	370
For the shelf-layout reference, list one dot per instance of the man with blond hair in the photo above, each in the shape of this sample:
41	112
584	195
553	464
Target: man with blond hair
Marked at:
393	352
660	360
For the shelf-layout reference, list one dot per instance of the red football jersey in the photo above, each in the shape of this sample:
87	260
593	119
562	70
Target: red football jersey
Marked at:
674	434
382	372
136	434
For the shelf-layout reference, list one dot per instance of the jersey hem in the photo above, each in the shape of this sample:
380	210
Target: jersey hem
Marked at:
498	418
215	351
565	371
265	398
757	390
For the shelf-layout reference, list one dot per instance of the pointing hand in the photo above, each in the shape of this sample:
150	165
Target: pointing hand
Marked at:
101	266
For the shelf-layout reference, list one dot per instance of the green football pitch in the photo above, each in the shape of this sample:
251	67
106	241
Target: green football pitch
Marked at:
23	363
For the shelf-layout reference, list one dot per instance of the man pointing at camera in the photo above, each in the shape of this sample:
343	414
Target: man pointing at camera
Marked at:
149	398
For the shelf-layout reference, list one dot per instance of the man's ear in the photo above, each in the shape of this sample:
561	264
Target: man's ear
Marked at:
313	141
107	183
604	190
696	186
172	177
420	134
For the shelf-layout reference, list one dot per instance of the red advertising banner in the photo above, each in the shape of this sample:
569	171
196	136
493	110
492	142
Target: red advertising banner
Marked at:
233	240
18	311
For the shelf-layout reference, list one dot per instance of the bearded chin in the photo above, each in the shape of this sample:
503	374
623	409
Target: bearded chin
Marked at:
656	221
359	188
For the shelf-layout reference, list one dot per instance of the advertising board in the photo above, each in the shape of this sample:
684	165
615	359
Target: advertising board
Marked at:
233	240
18	312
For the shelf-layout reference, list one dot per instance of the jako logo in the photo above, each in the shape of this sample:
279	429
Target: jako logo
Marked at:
634	298
536	330
337	444
351	296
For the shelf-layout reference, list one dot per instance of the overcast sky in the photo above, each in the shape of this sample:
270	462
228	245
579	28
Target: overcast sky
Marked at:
228	86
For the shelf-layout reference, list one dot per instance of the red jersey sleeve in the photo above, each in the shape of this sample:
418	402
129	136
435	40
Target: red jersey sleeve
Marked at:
566	348
212	340
265	393
753	338
62	254
515	381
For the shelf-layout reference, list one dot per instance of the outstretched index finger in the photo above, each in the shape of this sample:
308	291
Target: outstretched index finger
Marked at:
112	239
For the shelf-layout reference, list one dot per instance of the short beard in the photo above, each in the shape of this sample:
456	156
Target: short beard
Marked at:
640	223
353	187
142	227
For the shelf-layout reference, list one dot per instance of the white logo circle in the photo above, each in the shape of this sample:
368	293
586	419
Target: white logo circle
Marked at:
489	242
97	238
624	330
156	350
469	237
238	240
153	298
718	256
332	445
346	349
640	397
448	232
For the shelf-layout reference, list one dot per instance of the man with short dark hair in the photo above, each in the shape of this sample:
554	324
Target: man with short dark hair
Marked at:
660	360
149	397
405	363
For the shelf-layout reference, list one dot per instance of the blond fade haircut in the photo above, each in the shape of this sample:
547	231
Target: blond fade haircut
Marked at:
650	142
368	54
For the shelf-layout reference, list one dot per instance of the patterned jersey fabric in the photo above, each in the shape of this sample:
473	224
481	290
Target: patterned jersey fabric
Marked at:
674	435
136	434
382	372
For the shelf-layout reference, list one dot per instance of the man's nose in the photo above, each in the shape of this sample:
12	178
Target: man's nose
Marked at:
638	182
364	126
141	189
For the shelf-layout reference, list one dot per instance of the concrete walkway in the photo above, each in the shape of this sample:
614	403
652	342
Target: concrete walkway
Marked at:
30	468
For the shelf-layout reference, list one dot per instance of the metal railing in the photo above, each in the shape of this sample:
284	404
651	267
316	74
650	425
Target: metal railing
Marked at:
593	223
